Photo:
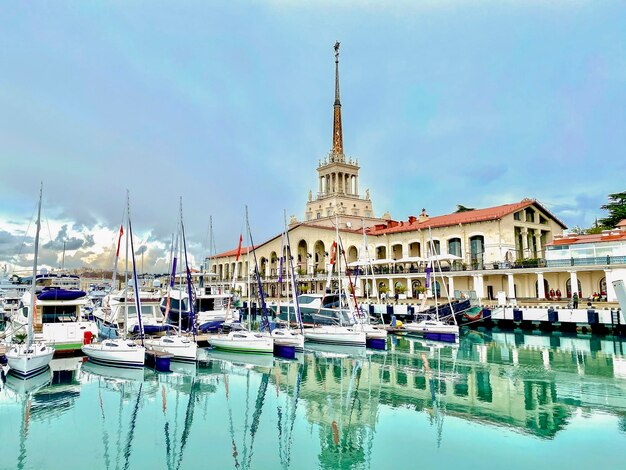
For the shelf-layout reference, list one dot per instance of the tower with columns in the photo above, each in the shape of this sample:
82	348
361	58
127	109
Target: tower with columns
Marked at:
338	178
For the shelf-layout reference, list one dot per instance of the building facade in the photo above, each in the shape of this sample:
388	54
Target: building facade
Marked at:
517	249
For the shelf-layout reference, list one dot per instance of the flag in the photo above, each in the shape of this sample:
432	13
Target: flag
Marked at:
239	247
429	270
119	240
333	253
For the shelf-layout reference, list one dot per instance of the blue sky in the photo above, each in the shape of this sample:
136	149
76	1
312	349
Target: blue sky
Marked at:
230	103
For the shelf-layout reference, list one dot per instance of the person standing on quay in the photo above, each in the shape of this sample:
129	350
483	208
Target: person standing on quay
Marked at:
575	300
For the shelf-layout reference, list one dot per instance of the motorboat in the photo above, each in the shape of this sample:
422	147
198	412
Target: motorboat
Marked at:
116	310
63	326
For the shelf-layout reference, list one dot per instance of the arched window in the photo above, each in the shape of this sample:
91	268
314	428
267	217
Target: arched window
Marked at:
568	288
454	247
477	250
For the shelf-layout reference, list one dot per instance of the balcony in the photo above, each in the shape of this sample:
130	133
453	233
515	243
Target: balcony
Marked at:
596	261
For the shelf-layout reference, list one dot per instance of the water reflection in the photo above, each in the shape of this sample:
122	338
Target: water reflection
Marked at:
330	408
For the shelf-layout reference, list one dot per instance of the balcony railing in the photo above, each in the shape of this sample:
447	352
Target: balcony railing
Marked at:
599	260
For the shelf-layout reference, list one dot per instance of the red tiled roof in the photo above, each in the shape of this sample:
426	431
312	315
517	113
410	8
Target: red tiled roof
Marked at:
622	223
476	215
244	251
592	238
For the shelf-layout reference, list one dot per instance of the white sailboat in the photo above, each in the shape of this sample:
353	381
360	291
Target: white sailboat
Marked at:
121	352
436	329
244	341
338	335
288	336
181	347
31	357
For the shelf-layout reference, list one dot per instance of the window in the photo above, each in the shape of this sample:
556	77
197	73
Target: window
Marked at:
517	216
477	250
454	246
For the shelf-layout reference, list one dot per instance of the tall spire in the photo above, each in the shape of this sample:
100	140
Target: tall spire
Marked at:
337	134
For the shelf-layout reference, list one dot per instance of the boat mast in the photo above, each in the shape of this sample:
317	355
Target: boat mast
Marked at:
31	317
126	268
180	281
294	292
135	280
192	319
266	321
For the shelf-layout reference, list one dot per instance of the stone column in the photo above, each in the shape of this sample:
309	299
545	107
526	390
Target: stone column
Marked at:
541	291
327	184
538	243
524	243
321	177
356	185
392	288
511	285
573	276
451	285
409	289
610	290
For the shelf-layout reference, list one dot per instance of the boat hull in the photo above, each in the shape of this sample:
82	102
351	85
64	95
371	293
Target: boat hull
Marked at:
118	353
181	348
26	361
339	336
243	342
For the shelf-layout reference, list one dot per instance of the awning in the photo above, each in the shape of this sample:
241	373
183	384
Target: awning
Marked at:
444	257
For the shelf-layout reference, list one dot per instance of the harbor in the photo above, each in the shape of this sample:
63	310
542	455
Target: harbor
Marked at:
312	235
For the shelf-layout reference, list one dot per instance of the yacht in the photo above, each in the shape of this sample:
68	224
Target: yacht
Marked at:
243	341
63	327
316	309
111	316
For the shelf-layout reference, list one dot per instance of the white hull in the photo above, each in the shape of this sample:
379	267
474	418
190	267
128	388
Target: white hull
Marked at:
335	335
180	347
29	361
288	337
374	333
243	342
116	352
430	326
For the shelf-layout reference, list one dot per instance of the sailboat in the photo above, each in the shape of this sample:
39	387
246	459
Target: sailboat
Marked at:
122	352
181	347
245	341
31	357
436	329
339	335
288	337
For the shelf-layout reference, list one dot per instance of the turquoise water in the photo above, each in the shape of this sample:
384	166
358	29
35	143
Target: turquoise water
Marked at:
498	400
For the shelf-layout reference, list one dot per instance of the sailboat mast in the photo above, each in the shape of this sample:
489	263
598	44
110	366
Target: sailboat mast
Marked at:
33	286
126	268
180	281
135	280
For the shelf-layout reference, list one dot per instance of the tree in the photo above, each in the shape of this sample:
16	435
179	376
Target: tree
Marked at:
462	208
616	208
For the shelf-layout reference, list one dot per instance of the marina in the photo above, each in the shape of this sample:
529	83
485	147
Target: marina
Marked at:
388	235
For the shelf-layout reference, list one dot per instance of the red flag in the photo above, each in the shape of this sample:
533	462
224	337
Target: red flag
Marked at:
239	247
333	253
117	253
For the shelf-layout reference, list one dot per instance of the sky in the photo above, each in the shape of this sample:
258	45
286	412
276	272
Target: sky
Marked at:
229	103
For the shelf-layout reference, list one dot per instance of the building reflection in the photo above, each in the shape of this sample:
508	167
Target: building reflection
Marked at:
531	384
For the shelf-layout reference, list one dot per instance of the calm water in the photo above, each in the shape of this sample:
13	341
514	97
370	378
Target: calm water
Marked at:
497	400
